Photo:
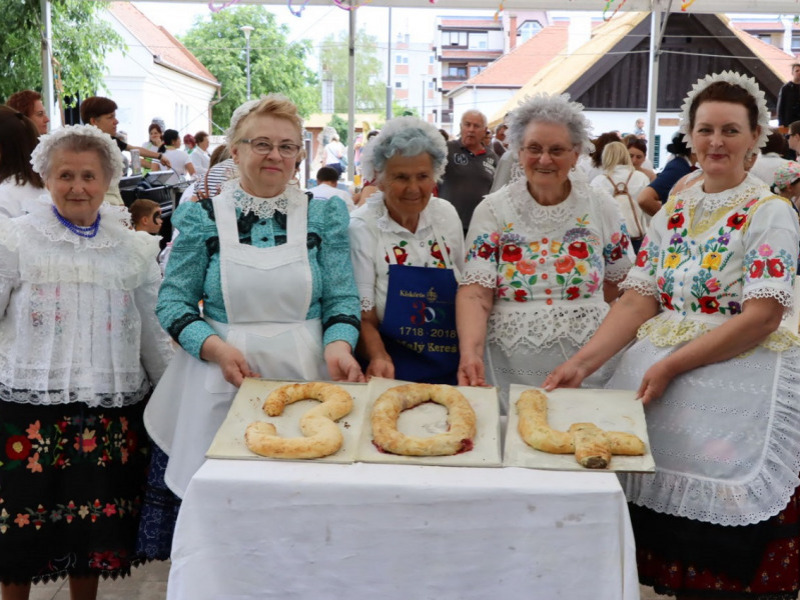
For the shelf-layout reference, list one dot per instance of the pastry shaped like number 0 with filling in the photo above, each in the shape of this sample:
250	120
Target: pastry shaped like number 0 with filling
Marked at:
322	435
592	446
392	402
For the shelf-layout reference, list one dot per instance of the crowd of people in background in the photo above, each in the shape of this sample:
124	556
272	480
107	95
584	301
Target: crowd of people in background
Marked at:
560	259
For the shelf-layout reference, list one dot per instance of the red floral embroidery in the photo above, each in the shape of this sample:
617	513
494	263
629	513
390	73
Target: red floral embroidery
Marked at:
512	253
675	221
400	255
757	268
616	253
436	252
666	301
578	249
18	447
709	305
736	220
776	267
573	292
485	251
564	264
520	295
641	258
625	242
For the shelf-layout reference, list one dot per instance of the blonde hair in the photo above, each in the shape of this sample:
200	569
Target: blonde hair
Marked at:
615	154
273	105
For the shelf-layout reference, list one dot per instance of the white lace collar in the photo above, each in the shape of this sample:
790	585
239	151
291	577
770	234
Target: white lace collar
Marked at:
263	208
386	223
537	217
114	225
749	188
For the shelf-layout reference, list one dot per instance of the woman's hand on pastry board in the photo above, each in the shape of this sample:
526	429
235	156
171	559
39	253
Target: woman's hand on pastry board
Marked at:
655	381
471	370
230	359
380	366
569	374
342	365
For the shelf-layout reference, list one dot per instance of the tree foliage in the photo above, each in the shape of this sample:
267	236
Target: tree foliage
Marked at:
370	90
275	64
81	40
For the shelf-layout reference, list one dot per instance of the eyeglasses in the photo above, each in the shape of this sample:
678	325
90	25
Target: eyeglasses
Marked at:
156	217
554	151
263	147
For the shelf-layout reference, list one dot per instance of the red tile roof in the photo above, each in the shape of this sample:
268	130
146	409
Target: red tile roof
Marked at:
518	66
166	50
775	58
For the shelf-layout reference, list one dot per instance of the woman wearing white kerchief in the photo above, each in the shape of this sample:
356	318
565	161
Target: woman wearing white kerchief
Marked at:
273	270
80	348
408	253
712	280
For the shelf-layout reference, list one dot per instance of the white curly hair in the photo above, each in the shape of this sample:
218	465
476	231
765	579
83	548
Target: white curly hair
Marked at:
78	138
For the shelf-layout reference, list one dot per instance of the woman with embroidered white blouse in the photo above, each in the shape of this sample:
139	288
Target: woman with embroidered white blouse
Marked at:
80	350
719	379
544	255
407	250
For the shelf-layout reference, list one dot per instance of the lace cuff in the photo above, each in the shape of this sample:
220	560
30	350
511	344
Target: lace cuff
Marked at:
645	288
617	271
781	295
482	278
367	304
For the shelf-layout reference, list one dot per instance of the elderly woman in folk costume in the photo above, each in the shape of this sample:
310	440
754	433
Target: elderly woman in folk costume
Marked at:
713	278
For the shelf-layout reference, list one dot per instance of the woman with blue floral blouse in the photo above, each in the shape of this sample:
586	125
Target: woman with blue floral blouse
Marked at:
719	378
544	255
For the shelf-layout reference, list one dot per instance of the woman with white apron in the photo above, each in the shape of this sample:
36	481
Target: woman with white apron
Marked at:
272	270
408	252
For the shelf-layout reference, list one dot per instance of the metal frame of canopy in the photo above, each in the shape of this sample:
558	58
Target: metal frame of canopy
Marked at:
658	8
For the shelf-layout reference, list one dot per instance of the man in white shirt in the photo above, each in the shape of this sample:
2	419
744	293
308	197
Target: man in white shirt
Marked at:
327	178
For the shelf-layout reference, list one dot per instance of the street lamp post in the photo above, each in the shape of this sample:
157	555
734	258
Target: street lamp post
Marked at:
247	29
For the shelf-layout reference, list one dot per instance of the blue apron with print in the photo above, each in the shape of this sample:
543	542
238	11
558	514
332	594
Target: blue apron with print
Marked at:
419	323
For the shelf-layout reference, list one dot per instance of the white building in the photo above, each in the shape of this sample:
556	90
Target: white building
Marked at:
155	77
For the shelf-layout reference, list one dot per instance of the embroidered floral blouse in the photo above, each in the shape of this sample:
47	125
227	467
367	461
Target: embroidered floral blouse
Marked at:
373	233
546	264
193	272
705	255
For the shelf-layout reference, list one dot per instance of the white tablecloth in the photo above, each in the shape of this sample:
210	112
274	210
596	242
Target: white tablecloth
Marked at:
287	530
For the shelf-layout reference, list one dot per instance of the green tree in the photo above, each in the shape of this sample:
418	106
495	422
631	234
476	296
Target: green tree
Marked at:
340	125
370	92
275	64
81	40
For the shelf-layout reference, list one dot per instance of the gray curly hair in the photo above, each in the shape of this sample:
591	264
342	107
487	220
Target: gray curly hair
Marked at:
549	108
406	136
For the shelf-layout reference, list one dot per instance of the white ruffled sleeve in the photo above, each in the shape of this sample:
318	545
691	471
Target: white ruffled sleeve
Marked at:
482	244
363	248
617	250
9	263
156	347
771	247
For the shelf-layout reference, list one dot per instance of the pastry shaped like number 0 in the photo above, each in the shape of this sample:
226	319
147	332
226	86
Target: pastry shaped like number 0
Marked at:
392	402
322	436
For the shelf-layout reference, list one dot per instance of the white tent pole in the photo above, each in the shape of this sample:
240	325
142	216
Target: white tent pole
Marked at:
47	65
351	95
656	33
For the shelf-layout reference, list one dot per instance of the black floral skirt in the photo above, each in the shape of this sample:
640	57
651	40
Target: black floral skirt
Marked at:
71	488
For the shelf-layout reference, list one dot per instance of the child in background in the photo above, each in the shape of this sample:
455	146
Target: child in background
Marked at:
146	216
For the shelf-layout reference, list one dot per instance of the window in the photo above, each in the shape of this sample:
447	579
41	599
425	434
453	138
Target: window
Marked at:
398	59
529	29
479	41
398	84
454	38
796	44
457	71
475	69
431	58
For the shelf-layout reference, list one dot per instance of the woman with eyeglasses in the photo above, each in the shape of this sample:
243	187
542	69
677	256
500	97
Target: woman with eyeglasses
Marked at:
272	267
544	256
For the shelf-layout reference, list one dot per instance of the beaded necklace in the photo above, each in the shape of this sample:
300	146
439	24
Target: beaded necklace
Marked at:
86	232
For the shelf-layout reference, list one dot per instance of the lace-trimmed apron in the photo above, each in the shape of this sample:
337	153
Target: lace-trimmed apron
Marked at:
419	323
267	294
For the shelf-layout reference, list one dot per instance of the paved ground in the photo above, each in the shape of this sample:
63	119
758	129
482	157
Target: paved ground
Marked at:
150	583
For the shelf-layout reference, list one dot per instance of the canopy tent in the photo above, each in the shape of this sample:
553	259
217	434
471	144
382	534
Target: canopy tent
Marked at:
658	7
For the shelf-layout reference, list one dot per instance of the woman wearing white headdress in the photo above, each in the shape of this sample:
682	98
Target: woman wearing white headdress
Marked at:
80	349
718	377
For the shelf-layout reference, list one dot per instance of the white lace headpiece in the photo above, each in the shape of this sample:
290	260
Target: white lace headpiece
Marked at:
748	84
40	157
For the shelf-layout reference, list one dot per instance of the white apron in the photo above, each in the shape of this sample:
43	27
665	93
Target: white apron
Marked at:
267	294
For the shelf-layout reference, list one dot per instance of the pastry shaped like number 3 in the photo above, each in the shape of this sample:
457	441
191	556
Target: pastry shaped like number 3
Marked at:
592	446
322	435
